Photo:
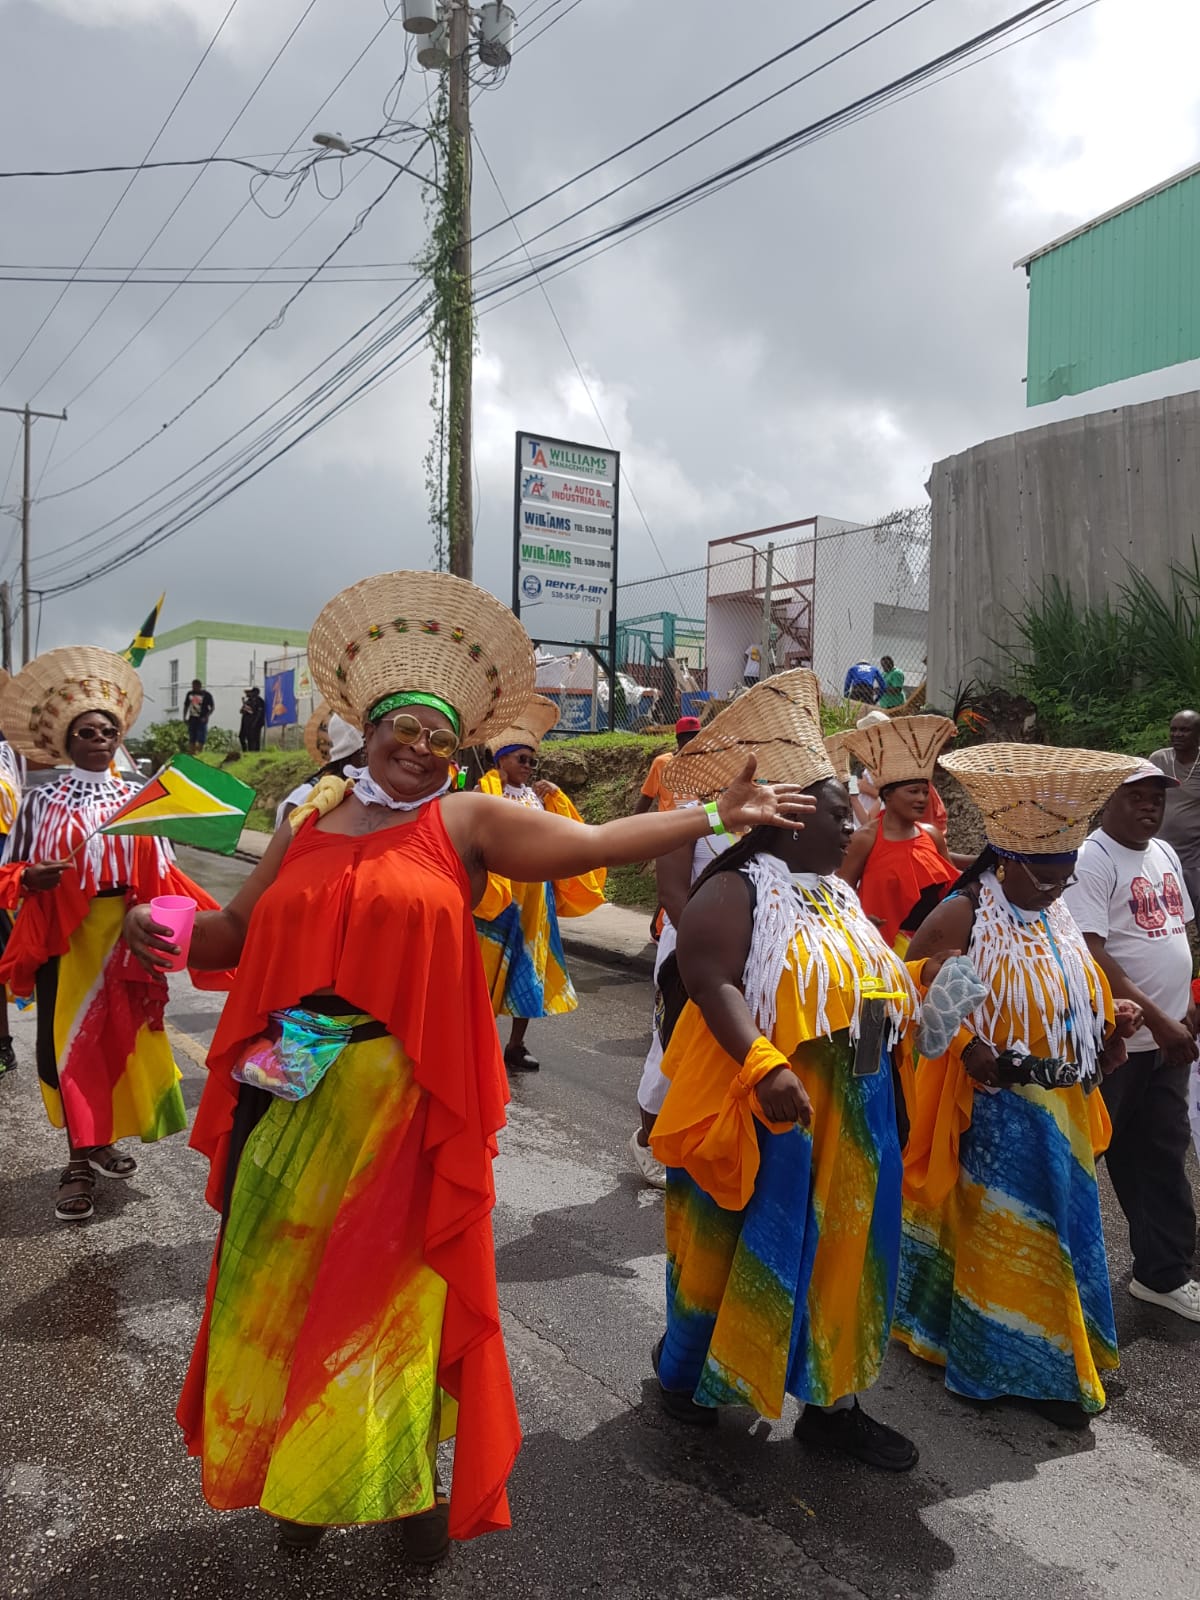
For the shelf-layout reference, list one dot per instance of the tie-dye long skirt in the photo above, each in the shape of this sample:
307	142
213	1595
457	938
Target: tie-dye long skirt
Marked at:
104	1061
1006	1283
794	1293
321	1400
523	958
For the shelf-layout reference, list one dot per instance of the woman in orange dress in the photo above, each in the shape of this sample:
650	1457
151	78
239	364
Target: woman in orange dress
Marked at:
356	1089
900	863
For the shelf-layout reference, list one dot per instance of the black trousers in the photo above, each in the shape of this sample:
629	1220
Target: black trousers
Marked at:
1148	1103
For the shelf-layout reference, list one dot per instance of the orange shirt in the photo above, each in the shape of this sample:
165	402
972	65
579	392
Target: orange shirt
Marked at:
653	786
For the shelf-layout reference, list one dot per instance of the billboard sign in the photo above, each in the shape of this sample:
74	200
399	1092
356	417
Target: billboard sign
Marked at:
565	525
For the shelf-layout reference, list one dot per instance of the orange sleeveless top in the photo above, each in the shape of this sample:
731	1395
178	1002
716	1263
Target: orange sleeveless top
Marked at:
897	873
384	920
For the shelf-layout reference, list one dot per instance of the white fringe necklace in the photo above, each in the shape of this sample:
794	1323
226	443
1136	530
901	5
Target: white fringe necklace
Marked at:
825	913
1036	968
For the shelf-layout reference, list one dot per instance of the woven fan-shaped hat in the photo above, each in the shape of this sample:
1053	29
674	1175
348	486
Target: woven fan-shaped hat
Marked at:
839	754
427	631
38	706
778	720
530	728
900	751
1037	800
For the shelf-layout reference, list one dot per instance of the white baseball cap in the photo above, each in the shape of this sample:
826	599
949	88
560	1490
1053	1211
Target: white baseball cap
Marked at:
1147	769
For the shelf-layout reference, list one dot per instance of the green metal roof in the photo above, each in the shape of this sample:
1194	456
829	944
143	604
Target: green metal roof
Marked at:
1119	296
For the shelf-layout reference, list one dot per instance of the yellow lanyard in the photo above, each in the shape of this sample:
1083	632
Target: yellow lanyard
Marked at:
872	986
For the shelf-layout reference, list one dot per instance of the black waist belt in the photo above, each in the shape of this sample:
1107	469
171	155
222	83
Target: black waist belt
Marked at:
111	894
335	1008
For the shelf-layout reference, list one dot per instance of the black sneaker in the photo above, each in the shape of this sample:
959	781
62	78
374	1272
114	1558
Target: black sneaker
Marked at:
681	1407
8	1056
1063	1414
853	1433
297	1537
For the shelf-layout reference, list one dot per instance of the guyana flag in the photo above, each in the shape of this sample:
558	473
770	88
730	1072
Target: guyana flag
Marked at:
189	803
143	640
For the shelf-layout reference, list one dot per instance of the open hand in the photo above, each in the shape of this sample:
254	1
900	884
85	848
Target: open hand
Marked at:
746	804
43	876
782	1097
149	940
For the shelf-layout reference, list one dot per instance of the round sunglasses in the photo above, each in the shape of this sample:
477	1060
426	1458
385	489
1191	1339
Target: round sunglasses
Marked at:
408	730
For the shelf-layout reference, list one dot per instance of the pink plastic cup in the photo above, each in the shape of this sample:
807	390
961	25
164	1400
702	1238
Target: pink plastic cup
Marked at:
178	913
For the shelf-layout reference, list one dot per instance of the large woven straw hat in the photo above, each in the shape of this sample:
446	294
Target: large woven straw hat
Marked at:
902	751
778	720
530	728
839	754
427	631
1037	800
38	706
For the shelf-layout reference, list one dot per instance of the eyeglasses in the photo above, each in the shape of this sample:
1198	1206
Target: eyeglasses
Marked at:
407	730
96	735
1048	888
523	758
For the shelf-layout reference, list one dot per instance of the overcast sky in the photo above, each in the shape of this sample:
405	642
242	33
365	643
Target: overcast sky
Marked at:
808	341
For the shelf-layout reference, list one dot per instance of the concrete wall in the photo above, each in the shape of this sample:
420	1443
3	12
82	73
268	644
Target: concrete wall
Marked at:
227	667
1079	500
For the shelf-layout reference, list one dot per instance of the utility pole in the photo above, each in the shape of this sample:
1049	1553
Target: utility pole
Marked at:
28	418
462	345
6	627
451	35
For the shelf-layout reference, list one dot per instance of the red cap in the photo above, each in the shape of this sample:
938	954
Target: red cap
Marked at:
688	725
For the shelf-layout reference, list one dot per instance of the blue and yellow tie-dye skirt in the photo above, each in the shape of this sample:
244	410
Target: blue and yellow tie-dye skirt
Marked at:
794	1293
1005	1284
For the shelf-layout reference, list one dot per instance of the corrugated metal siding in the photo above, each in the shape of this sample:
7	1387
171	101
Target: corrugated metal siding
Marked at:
1120	299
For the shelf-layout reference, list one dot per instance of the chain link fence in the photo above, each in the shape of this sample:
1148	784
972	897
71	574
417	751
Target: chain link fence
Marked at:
818	593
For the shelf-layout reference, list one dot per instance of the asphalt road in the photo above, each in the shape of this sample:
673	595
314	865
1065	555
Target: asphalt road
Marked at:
98	1498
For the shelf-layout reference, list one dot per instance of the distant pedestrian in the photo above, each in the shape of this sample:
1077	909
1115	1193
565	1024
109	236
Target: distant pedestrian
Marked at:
198	707
653	793
1181	820
752	669
1133	907
864	682
893	680
254	718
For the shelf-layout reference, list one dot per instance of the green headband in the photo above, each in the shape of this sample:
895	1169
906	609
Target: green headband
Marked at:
416	697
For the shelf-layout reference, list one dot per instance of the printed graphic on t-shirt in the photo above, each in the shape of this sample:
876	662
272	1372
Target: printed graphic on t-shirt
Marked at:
1150	911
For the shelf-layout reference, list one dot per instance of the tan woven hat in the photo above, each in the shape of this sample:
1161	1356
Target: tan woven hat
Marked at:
1037	800
425	631
38	706
327	736
839	754
777	720
902	751
530	728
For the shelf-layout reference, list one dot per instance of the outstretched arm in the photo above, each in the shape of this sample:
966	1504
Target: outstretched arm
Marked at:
531	846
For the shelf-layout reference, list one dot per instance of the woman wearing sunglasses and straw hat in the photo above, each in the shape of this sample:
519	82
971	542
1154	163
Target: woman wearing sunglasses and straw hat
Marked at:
1004	1280
103	1059
779	1130
356	1089
517	923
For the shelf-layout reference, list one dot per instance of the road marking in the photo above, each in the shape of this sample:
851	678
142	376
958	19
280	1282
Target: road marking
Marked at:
188	1046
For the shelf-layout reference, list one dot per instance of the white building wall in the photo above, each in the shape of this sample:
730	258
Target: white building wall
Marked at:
166	677
230	667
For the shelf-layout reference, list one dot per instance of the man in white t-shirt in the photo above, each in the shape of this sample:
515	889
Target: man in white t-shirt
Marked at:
1132	904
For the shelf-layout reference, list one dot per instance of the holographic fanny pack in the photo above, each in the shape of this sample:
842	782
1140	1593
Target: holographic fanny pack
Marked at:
299	1050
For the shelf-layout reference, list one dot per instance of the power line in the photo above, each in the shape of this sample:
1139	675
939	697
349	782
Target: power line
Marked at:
524	45
579	372
171	215
121	197
149	166
924	74
159	376
185	282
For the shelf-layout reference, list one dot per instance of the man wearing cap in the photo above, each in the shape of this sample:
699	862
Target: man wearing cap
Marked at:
1132	904
653	792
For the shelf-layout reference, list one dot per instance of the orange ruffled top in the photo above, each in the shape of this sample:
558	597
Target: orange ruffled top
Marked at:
896	875
384	921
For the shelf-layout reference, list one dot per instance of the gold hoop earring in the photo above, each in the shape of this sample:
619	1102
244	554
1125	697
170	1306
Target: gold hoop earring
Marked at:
1000	873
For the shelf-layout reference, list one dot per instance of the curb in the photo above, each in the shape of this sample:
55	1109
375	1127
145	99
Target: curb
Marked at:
640	962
